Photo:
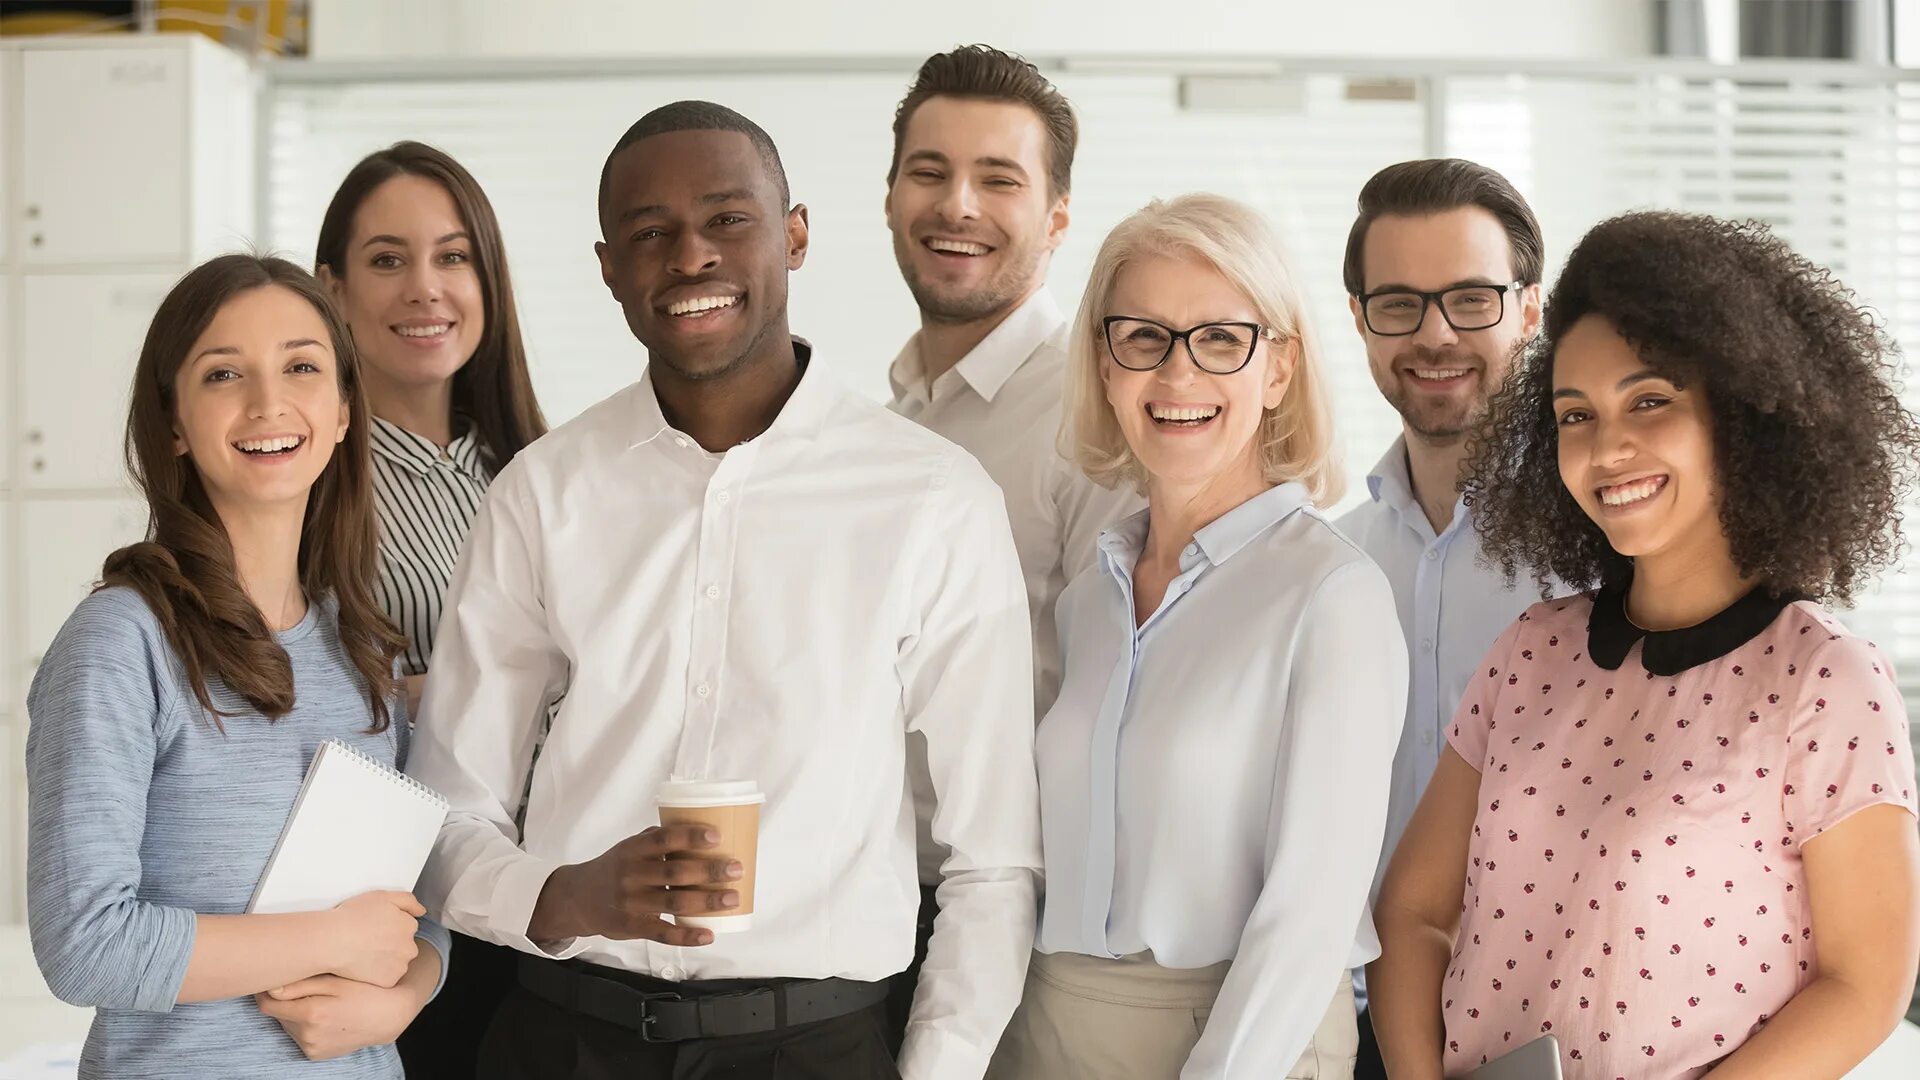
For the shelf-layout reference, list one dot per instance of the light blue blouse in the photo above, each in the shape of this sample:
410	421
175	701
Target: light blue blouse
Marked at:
1214	782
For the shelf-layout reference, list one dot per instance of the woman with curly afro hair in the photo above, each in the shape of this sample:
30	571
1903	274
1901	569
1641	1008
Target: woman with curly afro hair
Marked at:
1675	831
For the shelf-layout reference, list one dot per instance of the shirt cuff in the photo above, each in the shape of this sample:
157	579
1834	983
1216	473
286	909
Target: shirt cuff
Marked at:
930	1053
516	892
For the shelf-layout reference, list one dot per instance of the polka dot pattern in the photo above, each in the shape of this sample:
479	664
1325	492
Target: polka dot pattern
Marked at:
1635	884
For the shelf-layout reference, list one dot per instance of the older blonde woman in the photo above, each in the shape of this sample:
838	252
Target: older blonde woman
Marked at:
1214	774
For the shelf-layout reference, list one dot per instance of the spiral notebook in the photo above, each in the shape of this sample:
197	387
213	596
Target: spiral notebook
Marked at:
357	826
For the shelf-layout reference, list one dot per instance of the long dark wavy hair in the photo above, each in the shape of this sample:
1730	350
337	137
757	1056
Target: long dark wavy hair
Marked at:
493	386
1813	451
186	571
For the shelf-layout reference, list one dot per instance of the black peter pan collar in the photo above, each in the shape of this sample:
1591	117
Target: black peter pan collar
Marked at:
1610	636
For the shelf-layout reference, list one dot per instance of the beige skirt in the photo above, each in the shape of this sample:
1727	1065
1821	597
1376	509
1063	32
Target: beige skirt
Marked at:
1090	1018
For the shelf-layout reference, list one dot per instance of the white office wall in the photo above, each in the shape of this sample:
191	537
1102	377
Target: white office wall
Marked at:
1534	29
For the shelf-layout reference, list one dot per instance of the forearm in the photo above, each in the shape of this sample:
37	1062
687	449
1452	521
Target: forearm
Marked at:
555	916
1403	994
238	955
422	978
1829	1027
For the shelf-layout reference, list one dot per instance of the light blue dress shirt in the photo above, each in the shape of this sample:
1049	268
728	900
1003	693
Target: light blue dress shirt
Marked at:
1213	782
1451	610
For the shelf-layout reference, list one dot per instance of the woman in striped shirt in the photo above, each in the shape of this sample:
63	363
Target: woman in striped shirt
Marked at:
412	253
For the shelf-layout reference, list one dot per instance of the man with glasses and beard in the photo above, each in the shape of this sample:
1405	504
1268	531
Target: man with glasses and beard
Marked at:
977	200
1442	272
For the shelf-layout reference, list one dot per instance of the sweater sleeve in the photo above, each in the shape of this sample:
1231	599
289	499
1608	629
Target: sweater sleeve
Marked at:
95	712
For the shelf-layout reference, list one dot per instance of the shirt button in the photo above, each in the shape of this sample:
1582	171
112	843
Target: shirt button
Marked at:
713	591
670	972
722	498
680	442
1426	738
1426	645
703	689
1432	555
1193	549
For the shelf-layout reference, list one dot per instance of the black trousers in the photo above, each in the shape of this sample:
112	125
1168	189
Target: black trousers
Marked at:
1368	1066
901	987
443	1043
534	1039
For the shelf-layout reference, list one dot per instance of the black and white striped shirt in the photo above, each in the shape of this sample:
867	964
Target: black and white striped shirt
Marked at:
425	499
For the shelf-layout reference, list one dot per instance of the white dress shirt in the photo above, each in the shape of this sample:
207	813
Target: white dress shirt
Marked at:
1213	783
1001	403
1451	610
783	612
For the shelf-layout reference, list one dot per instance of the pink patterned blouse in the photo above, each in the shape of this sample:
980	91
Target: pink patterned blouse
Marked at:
1635	884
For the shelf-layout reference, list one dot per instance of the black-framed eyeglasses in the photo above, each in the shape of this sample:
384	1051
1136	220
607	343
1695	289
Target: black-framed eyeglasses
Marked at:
1217	348
1397	312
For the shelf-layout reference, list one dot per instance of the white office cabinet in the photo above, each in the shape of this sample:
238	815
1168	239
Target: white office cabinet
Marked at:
10	659
66	541
125	160
135	152
9	389
81	337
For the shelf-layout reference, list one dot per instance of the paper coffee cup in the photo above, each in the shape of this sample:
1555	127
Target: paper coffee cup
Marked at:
731	807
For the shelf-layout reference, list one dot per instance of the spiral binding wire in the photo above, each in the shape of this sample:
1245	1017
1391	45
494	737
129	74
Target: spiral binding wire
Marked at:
389	771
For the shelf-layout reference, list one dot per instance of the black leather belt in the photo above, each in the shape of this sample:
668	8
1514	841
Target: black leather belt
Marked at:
682	1014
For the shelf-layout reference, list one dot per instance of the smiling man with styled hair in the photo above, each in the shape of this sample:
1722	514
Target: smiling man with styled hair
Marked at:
978	193
734	569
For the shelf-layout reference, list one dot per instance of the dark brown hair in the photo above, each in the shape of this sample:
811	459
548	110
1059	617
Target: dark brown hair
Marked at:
186	571
1812	448
984	73
492	387
1435	186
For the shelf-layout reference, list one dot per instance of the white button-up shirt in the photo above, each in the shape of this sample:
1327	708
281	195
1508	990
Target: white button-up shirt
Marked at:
1451	610
785	612
1213	783
1001	403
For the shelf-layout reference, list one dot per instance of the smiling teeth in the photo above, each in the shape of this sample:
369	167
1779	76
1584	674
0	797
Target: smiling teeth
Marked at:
1164	412
1440	373
704	303
423	331
269	446
958	247
1636	491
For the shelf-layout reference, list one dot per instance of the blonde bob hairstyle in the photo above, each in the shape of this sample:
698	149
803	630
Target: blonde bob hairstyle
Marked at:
1295	440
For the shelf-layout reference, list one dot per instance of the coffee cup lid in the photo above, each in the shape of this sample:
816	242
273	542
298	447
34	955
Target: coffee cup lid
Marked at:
679	792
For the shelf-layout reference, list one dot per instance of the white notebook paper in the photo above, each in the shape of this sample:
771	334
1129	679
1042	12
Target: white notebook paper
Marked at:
358	826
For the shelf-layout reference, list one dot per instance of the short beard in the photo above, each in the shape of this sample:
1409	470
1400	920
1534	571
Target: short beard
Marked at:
981	303
1443	423
996	297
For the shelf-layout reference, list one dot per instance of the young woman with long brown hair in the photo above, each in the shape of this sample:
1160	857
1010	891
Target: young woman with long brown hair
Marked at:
176	712
411	251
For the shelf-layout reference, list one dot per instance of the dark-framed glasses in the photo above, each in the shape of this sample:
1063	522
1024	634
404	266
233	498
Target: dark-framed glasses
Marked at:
1217	348
1397	312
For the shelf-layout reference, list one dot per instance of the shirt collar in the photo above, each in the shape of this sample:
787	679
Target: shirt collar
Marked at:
1391	485
420	454
1219	540
1390	482
1610	636
988	365
804	414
